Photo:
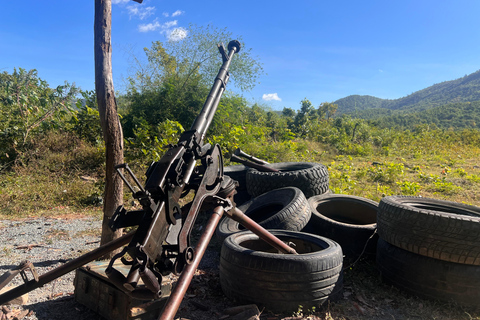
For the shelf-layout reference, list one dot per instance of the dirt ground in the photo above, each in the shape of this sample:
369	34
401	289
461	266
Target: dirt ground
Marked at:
365	296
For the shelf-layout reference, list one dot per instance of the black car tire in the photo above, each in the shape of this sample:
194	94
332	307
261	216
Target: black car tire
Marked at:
433	228
311	178
252	272
427	277
351	221
285	209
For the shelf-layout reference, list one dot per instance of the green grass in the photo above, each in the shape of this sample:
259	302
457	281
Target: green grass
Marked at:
60	176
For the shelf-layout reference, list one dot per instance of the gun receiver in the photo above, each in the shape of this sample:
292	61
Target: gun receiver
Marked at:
161	244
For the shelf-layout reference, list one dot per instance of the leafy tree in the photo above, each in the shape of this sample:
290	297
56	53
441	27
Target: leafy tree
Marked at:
197	54
257	115
170	100
86	119
289	115
327	110
28	106
289	112
304	117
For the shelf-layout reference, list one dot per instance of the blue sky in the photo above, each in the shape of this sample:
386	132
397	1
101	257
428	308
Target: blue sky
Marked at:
319	50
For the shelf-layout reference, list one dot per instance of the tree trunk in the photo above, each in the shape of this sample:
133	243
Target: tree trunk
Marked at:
107	107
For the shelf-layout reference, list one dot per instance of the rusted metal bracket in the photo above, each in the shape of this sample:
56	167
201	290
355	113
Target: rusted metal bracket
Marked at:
22	267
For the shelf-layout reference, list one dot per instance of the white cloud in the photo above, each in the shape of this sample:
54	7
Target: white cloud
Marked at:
120	1
168	25
165	14
177	13
140	12
167	28
149	26
177	34
271	96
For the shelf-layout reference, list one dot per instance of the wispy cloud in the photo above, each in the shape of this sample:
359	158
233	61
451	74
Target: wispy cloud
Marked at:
270	97
140	12
120	1
149	26
177	13
168	28
172	34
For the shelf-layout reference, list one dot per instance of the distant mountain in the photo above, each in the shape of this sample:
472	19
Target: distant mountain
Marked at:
465	89
460	115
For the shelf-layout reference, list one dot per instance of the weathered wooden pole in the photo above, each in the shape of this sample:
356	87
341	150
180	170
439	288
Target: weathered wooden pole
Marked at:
110	122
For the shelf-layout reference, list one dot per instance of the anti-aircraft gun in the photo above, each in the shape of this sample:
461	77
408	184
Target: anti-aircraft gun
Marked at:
161	243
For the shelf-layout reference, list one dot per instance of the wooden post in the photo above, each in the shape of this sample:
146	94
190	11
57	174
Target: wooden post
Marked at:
110	122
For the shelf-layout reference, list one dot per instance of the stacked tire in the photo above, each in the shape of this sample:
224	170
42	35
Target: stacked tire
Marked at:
239	173
252	272
284	209
430	248
350	221
310	177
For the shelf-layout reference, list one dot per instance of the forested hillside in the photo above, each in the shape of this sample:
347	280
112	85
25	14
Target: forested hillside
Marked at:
450	116
465	89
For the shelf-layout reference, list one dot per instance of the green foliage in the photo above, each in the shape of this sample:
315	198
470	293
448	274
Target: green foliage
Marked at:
85	120
151	142
29	108
409	188
197	54
365	158
169	101
387	172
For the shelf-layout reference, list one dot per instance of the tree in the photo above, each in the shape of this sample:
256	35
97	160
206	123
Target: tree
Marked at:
29	107
304	117
327	110
110	122
196	54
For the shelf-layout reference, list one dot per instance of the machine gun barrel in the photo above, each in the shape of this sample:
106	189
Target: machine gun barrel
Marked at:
204	119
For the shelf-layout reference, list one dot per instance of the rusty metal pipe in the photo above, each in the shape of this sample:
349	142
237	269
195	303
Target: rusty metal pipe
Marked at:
65	268
185	278
240	153
259	167
260	231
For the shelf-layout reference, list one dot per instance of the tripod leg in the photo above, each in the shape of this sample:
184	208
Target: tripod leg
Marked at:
187	274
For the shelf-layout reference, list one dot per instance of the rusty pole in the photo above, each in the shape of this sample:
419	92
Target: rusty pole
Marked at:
65	268
186	277
260	231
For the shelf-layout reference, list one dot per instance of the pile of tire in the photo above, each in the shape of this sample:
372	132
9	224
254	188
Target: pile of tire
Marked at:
239	173
251	271
430	248
350	221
